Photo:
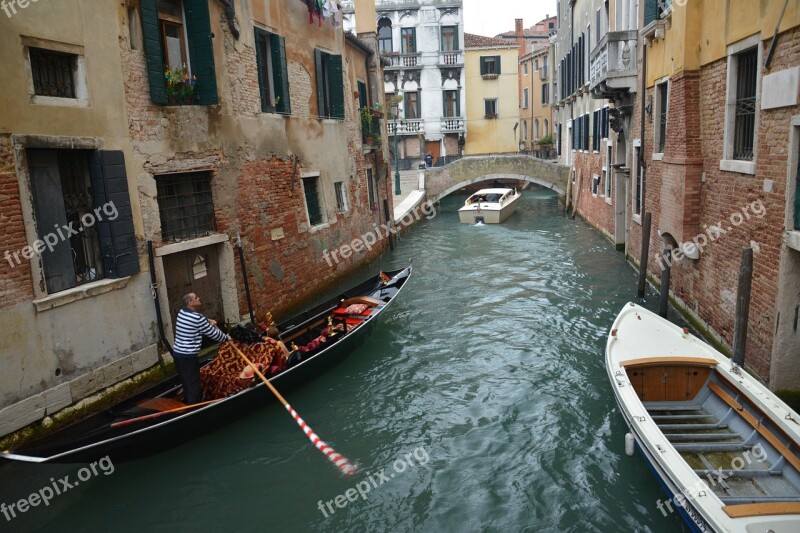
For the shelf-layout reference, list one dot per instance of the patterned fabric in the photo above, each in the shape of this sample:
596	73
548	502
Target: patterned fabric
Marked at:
220	378
356	309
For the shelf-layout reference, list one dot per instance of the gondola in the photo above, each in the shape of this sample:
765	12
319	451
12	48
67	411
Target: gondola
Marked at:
725	448
94	437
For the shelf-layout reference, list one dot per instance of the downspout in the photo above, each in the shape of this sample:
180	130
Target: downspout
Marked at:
154	291
641	116
230	14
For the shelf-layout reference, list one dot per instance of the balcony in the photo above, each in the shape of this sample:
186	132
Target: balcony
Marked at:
403	61
411	126
543	73
451	58
453	125
612	65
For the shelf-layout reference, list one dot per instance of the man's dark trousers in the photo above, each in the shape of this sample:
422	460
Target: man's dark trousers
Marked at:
189	371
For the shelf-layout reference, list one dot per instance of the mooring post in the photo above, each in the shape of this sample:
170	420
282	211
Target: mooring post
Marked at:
742	306
645	254
386	213
244	276
663	301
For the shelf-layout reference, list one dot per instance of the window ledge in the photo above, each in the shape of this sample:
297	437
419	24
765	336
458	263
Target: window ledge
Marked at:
608	200
658	156
637	219
742	167
791	239
60	102
319	227
81	292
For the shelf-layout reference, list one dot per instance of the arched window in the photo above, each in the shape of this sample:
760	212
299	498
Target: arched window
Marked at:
524	130
384	36
536	129
546	128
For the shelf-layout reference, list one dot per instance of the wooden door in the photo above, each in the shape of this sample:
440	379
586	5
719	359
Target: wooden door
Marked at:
194	271
434	147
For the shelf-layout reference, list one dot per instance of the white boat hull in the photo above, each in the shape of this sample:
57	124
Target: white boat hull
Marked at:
488	213
646	358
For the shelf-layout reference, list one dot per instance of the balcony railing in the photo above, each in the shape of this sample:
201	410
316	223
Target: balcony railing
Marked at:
543	73
404	60
452	124
412	126
451	58
612	64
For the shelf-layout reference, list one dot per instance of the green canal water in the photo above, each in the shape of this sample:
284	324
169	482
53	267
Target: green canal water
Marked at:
479	402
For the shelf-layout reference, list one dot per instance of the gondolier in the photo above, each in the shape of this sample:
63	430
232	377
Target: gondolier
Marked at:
190	327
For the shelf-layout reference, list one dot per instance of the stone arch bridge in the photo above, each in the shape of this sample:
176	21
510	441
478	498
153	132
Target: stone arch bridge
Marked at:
441	181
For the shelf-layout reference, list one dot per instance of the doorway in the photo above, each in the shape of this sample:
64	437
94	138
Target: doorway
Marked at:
197	271
434	147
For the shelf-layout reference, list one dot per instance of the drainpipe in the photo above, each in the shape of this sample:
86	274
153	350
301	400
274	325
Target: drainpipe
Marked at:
641	117
154	290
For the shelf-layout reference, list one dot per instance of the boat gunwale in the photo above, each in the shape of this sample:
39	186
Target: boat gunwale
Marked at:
221	401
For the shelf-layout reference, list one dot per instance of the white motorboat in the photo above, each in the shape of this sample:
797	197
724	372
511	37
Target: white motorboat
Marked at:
723	446
490	206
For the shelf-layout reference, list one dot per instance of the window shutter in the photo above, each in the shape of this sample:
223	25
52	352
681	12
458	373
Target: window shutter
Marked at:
117	237
281	74
497	65
586	132
483	66
320	88
455	38
650	11
336	86
413	41
153	52
458	102
261	37
362	95
201	50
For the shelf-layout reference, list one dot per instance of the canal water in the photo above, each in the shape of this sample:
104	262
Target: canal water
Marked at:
480	402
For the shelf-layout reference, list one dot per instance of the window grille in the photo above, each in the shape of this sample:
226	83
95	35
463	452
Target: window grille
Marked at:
52	73
341	199
185	205
310	187
745	123
662	117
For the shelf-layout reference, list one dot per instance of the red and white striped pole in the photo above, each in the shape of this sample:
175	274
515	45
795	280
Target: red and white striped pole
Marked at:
340	461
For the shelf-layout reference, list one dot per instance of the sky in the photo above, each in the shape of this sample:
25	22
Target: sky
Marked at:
490	17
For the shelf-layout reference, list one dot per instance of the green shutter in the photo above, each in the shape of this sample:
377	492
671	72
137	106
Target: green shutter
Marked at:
455	37
362	95
483	66
261	37
117	237
413	41
458	103
497	65
336	86
280	75
320	87
650	11
153	52
201	50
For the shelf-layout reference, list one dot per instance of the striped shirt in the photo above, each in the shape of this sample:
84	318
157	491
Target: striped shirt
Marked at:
189	330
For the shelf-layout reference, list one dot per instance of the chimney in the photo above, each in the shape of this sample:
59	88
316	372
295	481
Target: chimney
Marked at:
518	33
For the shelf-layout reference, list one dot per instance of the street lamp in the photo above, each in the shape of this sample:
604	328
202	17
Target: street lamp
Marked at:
396	112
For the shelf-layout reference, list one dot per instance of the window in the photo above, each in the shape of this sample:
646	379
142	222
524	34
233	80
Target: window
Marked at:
525	68
525	97
449	38
330	85
411	105
53	73
490	107
535	63
661	117
597	26
408	40
546	129
384	36
341	196
585	132
451	104
362	94
595	184
524	130
607	173
82	210
545	94
311	190
536	129
185	205
551	25
178	33
745	122
273	77
490	66
596	131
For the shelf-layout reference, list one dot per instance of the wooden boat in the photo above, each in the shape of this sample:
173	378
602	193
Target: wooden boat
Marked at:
724	447
94	437
489	206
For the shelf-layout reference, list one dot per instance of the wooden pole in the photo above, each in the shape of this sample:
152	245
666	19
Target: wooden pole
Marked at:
663	301
340	461
645	254
160	414
388	222
246	284
742	306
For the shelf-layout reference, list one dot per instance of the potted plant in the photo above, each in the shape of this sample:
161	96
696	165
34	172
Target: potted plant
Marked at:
180	85
377	110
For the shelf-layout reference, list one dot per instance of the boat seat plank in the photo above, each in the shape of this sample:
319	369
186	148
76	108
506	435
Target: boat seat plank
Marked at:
703	472
709	447
765	432
670	360
699	437
761	509
691	427
680	417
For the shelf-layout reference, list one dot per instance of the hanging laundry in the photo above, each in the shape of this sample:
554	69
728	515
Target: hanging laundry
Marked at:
326	9
336	13
318	8
310	4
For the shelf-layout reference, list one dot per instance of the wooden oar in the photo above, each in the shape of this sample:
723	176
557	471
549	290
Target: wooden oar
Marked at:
340	461
159	414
